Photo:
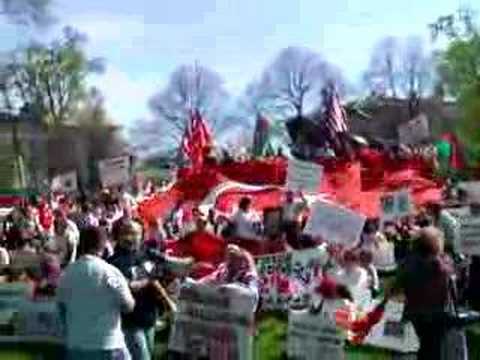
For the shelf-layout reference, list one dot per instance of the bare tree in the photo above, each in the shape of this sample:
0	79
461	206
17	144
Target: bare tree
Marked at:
382	74
293	80
399	67
190	87
416	65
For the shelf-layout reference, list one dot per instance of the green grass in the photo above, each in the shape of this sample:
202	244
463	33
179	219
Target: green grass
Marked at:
269	345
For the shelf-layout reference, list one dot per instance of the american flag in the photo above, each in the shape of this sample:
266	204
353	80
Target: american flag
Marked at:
335	116
334	125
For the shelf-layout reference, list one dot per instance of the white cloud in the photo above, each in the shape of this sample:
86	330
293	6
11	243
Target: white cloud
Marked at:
126	97
106	31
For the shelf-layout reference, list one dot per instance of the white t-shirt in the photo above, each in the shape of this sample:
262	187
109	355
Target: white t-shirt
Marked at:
128	201
68	240
244	225
94	294
357	281
4	256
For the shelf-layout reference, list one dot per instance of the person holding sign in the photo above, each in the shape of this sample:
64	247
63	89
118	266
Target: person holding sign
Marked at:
238	270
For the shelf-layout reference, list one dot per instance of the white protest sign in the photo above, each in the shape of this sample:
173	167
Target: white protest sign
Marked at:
335	224
213	324
40	319
278	272
312	337
396	205
472	189
392	333
114	171
273	271
65	182
469	234
304	176
414	131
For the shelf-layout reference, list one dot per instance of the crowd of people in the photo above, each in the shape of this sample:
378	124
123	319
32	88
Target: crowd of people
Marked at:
108	269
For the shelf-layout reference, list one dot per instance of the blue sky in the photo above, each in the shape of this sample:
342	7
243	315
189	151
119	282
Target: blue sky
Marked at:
144	40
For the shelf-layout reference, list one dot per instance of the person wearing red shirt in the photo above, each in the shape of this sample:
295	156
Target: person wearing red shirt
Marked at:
45	217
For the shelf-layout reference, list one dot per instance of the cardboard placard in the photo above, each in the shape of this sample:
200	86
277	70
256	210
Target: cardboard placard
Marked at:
392	333
469	234
335	224
114	171
396	205
278	272
39	319
415	131
312	337
213	324
304	176
65	183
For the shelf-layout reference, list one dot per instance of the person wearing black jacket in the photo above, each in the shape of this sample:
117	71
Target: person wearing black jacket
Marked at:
138	326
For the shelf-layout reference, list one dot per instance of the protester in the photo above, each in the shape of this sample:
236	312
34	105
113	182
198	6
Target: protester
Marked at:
87	218
126	218
155	233
126	199
91	297
426	278
45	217
375	243
138	326
50	272
366	261
352	275
245	222
66	238
4	256
238	269
25	259
190	222
292	217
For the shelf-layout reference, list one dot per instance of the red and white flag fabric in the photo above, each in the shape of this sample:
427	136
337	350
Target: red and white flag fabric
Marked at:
186	145
335	114
196	139
201	131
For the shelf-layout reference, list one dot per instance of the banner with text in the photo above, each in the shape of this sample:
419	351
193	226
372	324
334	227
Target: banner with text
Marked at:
304	176
469	234
284	275
213	323
114	171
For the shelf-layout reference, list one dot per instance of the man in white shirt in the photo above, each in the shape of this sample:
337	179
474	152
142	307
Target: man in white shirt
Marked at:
91	296
66	238
245	222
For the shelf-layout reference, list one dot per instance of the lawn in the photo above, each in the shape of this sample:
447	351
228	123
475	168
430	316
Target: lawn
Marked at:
269	345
